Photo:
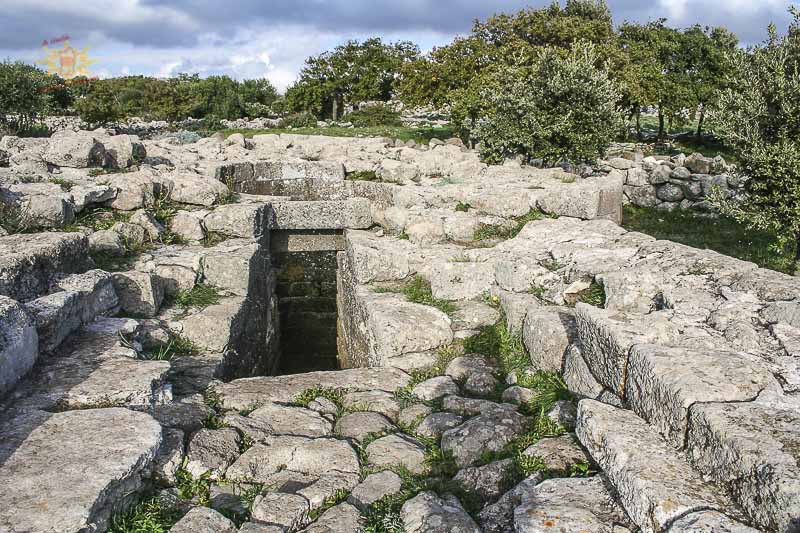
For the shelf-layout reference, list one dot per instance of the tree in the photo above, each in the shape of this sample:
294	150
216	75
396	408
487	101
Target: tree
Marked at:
27	94
353	72
759	116
561	108
453	76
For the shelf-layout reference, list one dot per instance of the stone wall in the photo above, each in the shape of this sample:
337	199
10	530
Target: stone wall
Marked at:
673	182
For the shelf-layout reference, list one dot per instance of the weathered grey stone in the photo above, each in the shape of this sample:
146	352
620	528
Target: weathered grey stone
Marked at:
709	522
134	190
188	224
123	151
169	457
547	332
140	293
474	406
430	513
570	504
217	326
398	450
48	211
315	457
151	226
76	151
288	511
133	235
461	281
374	487
212	451
563	413
239	220
189	188
19	343
341	518
356	426
481	384
338	215
754	449
276	419
464	366
558	453
80	299
69	471
203	520
663	384
435	388
106	242
244	393
433	425
377	401
487	432
486	481
655	484
413	414
518	395
30	262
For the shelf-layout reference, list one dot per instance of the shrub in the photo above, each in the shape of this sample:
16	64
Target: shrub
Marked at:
26	96
562	107
759	116
375	115
299	120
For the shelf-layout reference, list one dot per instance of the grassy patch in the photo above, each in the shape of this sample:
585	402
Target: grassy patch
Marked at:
177	347
334	499
65	184
149	516
198	296
496	342
595	295
463	207
504	232
112	263
191	488
213	238
362	175
419	135
334	395
418	291
13	220
721	234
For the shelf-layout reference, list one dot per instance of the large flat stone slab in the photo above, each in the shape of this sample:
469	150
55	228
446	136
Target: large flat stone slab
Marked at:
30	262
663	383
249	392
19	343
338	215
655	484
65	471
754	450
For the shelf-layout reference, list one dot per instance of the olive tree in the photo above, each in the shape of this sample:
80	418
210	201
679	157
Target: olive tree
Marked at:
758	115
561	108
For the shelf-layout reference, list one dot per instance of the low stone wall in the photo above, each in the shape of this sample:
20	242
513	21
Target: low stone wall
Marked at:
673	182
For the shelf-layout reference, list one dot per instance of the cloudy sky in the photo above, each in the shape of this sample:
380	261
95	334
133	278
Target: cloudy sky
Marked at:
271	38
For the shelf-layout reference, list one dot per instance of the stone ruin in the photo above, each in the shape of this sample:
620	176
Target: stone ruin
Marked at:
312	386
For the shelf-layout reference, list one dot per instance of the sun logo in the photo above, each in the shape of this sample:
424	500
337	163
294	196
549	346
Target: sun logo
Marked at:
67	61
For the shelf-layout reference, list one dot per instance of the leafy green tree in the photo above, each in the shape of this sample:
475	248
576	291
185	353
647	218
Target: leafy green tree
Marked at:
352	72
561	108
27	94
758	115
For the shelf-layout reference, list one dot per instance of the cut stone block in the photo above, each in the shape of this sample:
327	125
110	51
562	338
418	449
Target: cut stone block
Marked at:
336	215
461	281
203	520
249	392
547	333
655	484
69	471
30	262
663	384
19	343
217	326
140	293
240	220
754	450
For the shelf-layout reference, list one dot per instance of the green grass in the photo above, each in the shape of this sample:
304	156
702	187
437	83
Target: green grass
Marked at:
213	238
493	231
496	342
595	295
65	184
200	295
362	175
149	516
419	135
463	207
721	234
191	488
418	291
112	263
177	347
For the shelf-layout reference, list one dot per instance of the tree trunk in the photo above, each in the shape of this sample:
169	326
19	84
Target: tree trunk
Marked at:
335	107
660	123
639	123
700	122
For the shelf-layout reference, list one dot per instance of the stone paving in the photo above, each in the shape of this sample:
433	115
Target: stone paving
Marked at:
511	359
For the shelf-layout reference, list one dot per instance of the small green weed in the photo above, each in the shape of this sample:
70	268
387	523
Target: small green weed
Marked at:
362	175
191	488
418	290
200	295
213	238
65	184
503	232
595	295
463	207
149	516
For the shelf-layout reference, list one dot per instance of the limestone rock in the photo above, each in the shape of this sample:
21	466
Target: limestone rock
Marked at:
342	518
358	425
435	424
76	151
140	293
413	414
67	471
374	487
288	511
19	343
429	513
435	388
484	433
558	453
486	481
398	450
212	450
203	520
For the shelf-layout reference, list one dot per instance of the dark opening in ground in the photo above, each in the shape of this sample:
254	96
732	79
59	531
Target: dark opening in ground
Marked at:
306	293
